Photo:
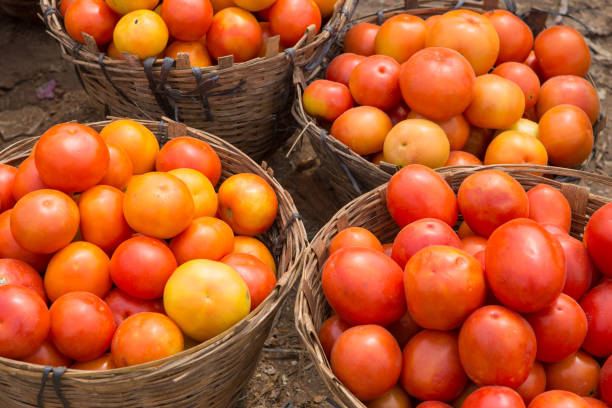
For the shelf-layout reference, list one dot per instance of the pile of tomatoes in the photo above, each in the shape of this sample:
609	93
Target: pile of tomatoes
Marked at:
459	88
204	29
510	311
140	257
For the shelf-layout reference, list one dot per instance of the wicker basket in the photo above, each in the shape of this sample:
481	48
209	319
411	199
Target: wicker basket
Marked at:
211	374
242	103
349	173
370	211
22	9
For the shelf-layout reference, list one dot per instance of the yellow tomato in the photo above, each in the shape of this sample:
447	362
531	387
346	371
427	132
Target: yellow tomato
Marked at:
201	189
125	6
139	143
142	33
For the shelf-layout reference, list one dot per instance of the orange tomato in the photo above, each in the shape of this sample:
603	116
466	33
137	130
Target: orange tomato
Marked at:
524	77
416	141
396	397
253	5
374	82
516	147
219	5
265	35
64	6
532	62
460	158
515	37
138	142
99	364
93	17
7	179
354	237
363	129
9	248
48	355
201	189
400	36
236	32
204	238
124	7
187	20
290	18
569	89
498	103
594	403
431	20
361	38
464	230
561	50
327	99
258	276
534	384
158	205
27	179
192	153
198	55
326	7
547	205
142	33
252	246
457	129
120	167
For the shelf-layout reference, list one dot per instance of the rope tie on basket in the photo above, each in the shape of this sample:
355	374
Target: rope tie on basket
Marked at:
204	86
280	240
110	81
316	60
162	136
56	377
346	170
459	4
379	17
167	106
75	53
47	13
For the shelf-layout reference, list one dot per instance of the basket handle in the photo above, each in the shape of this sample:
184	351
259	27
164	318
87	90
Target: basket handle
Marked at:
56	373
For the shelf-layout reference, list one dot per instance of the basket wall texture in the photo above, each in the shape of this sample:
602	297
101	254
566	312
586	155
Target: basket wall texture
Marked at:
370	211
242	103
349	173
211	374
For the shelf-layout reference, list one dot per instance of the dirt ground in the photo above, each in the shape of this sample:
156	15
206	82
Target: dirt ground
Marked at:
285	377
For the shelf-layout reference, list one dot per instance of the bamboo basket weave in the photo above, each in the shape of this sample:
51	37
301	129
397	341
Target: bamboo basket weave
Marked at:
211	374
23	9
349	173
370	211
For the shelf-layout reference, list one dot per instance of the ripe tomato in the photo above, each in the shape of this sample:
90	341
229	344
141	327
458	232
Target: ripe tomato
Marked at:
437	82
99	364
477	141
201	189
16	272
433	404
354	237
138	142
416	141
578	267
515	37
417	192
64	6
473	244
400	36
252	5
124	7
374	82
113	52
403	329
25	321
27	179
234	31
398	113
577	373
594	403
80	266
192	153
142	33
204	238
363	129
511	146
547	205
187	20
341	67
290	18
7	178
388	248
44	221
605	384
326	7
490	198
469	33
71	157
494	396
457	129
497	346
458	402
558	399
596	305
120	167
569	89
561	50
364	286
198	54
421	234
526	126
252	246
431	369
9	248
361	38
209	290
93	17
460	158
367	360
145	337
47	355
257	275
524	77
123	305
497	104
326	99
247	203
394	398
329	332
535	383
141	267
598	239
464	230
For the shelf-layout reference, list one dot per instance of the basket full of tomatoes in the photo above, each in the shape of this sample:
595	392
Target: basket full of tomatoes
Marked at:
477	288
134	274
440	86
217	65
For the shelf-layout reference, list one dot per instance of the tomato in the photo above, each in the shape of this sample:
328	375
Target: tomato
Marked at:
561	50
289	19
579	268
469	33
198	54
158	204
569	89
7	178
192	153
44	221
515	37
145	337
139	143
354	237
596	305
251	5
92	17
236	32
417	192
124	7
142	33
364	286
326	99
464	230
403	329
400	36
329	332
605	384
374	82
113	52
123	305
473	244
460	158
494	396
577	373
25	321
187	20
497	346
437	82
361	38
433	404
71	157
497	104
477	141
141	267
9	248
490	198
594	403
457	129
64	6
535	383
363	129
247	203
526	126
16	272
524	77
458	402
341	67
416	141
205	298
388	248
398	113
431	369
120	168
47	355
26	179
367	360
511	146
201	189
257	275
421	234
547	205
598	239
252	246
558	399
99	364
394	398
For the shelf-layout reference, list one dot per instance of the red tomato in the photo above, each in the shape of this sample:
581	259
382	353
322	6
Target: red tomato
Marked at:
360	39
524	77
27	179
497	346
93	17
290	18
25	321
473	244
480	257
558	399
534	385
329	332
577	373
326	99
598	239
595	403
437	82
578	267
403	329
394	398
417	192
205	238
123	305
71	157
569	89
443	285
187	20
605	382
547	205
364	286
467	391
16	272
9	248
367	360
431	369
490	198
596	305
341	67
188	152
64	6
82	325
141	266
48	355
498	103
234	31
99	364
354	237
400	36
433	404
532	62
420	234
515	37
120	167
7	178
494	396
374	82
561	50
257	275
398	113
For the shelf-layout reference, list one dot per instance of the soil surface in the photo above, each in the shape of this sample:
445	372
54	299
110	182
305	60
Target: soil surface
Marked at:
38	89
